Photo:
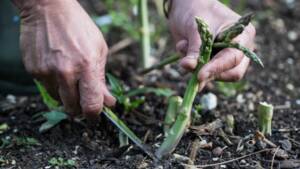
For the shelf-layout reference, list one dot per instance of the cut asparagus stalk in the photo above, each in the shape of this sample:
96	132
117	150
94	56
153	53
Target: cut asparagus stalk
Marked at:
229	124
265	115
172	112
123	139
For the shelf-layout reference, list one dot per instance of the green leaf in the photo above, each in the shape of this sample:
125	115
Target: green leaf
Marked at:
3	128
53	118
231	89
116	87
27	141
157	91
51	103
130	134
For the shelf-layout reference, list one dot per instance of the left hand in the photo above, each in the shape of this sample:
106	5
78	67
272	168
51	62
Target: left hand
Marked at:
229	64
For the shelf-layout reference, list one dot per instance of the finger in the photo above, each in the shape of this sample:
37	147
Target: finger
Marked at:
91	93
109	100
191	59
225	60
236	73
181	47
68	92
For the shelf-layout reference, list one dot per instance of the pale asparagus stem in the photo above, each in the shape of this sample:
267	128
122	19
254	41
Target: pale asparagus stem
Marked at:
172	112
123	139
230	123
265	115
145	34
183	118
161	64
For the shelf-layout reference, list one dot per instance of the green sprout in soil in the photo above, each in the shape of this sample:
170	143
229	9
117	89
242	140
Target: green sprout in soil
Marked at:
265	115
208	47
60	162
56	113
174	104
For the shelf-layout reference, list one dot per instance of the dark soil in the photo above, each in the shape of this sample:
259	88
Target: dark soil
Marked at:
96	145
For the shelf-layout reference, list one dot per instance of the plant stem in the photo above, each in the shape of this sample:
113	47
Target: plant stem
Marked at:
123	139
122	126
251	55
145	34
172	112
161	64
265	115
184	115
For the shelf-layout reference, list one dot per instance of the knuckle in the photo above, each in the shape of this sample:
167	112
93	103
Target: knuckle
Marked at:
65	71
92	109
237	76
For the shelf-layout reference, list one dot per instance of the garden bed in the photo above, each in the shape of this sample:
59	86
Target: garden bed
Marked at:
95	144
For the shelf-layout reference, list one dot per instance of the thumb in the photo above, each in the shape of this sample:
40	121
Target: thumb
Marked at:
191	58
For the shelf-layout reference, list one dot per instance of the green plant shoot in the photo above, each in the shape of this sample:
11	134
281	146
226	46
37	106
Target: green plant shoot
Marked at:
222	41
183	118
265	115
174	105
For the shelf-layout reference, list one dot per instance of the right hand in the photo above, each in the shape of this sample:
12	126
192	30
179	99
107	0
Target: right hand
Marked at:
64	49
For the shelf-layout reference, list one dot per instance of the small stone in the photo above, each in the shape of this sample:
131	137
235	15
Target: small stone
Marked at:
15	130
286	144
290	47
223	166
159	167
215	159
11	99
298	102
209	101
290	61
290	87
217	151
243	162
240	99
292	35
13	162
251	106
280	153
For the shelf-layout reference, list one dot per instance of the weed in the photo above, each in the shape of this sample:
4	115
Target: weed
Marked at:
60	162
8	142
56	113
231	89
3	128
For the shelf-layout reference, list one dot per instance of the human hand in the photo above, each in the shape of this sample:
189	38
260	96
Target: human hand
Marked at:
63	48
228	64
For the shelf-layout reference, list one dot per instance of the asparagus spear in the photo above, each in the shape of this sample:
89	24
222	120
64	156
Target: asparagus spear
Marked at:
183	118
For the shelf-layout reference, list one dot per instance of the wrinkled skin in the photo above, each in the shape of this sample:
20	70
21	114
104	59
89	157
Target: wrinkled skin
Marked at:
64	49
228	64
